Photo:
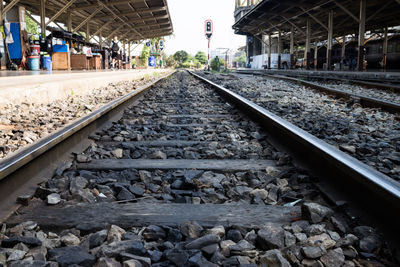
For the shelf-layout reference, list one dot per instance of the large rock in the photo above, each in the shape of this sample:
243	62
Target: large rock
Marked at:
270	237
115	233
274	258
313	252
153	232
12	241
203	241
315	212
97	238
77	183
191	229
334	258
178	257
70	240
116	248
107	262
67	256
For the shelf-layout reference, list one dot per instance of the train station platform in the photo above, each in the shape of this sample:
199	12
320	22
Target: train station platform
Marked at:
18	87
376	76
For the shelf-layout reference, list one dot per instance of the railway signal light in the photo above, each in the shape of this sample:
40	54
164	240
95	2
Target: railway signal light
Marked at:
161	44
208	28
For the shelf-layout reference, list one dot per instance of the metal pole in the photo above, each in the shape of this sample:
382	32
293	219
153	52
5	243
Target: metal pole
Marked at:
87	31
343	48
269	51
279	50
307	50
316	55
101	40
330	37
361	32
42	17
208	54
385	48
291	47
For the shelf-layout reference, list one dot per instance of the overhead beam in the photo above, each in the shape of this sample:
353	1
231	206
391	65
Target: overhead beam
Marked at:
9	6
348	11
378	11
88	18
62	10
136	12
109	4
316	19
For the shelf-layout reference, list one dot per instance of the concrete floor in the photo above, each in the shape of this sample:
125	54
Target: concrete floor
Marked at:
42	87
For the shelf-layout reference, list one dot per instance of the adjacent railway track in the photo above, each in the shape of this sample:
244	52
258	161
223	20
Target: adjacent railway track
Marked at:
363	99
183	150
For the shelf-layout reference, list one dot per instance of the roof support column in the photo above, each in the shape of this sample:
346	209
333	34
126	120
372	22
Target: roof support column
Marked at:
43	18
330	37
279	50
307	55
291	47
1	12
129	50
101	40
69	22
385	48
316	55
361	33
87	32
269	51
343	55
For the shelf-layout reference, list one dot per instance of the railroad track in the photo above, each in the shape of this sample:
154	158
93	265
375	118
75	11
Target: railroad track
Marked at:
194	180
363	99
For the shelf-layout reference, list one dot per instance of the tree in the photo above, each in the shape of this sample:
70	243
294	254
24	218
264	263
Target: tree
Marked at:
170	61
201	57
31	26
144	56
216	63
181	56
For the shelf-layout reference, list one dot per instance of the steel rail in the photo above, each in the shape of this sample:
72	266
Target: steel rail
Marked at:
364	100
359	183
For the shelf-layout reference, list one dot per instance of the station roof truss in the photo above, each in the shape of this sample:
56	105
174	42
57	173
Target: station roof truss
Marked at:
272	16
130	20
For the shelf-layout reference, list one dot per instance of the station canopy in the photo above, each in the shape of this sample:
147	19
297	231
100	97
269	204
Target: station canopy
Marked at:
128	19
271	16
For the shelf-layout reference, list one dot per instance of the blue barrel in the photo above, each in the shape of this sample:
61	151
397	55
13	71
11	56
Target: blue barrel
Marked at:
47	63
34	62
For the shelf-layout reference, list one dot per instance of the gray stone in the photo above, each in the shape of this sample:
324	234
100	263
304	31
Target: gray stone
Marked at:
136	190
116	248
178	257
77	183
97	238
242	245
118	153
29	263
115	233
234	235
197	260
132	263
145	261
274	258
289	239
313	252
153	232
315	212
67	256
191	229
125	194
155	255
107	262
158	155
334	258
203	241
14	240
53	199
210	249
70	240
270	237
16	255
217	230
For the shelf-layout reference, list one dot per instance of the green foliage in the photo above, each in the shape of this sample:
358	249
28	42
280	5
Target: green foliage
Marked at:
216	63
201	57
181	56
196	64
170	61
144	56
241	60
31	26
185	65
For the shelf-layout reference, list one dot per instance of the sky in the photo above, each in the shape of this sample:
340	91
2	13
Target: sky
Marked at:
188	18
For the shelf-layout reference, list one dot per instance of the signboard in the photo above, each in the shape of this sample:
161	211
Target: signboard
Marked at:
161	44
152	61
208	28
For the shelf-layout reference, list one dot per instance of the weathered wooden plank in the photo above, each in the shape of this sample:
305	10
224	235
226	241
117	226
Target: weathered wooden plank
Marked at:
196	116
96	216
157	143
169	164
